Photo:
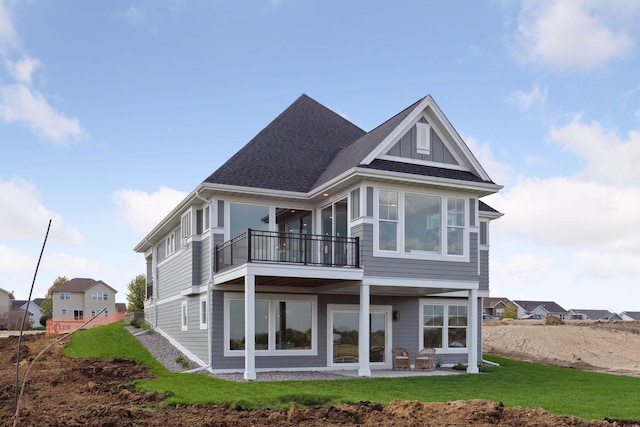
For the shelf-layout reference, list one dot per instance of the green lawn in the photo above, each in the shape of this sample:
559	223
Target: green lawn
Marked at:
561	391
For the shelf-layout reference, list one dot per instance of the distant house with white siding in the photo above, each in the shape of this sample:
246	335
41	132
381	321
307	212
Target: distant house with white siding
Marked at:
80	299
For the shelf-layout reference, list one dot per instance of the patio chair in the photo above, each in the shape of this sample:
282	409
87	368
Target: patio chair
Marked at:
401	358
424	359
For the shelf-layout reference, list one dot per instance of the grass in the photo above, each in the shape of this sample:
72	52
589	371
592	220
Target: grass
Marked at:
561	391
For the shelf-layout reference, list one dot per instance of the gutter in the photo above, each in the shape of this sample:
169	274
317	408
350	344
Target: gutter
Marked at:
154	277
209	288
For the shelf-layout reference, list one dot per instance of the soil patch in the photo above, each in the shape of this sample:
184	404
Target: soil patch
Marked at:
61	391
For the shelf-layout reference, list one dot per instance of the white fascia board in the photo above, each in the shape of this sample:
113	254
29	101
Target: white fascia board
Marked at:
254	191
490	215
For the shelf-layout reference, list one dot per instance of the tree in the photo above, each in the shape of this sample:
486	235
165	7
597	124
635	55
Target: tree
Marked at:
47	305
510	311
137	289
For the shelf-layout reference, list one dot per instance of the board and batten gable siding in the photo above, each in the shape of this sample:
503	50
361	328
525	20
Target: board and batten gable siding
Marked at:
170	321
407	147
414	268
194	251
205	260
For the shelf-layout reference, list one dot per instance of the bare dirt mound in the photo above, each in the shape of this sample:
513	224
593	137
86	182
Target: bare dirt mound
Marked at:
74	392
611	347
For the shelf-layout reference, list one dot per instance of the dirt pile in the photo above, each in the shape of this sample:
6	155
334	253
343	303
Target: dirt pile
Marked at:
611	347
69	392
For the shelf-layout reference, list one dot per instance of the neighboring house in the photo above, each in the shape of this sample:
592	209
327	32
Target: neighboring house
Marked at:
34	310
80	299
630	315
595	314
6	300
317	230
7	314
543	308
495	306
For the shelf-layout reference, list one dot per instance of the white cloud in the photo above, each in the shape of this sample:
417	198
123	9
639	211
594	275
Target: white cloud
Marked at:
61	263
18	103
23	69
499	172
22	215
521	268
15	261
574	34
8	36
609	158
571	213
142	211
525	101
606	265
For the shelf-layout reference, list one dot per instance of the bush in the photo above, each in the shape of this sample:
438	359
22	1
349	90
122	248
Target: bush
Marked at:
553	320
140	322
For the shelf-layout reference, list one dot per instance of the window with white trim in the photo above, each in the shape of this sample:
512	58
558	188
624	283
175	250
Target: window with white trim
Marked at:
63	311
284	325
484	232
170	244
423	144
203	312
65	296
422	225
444	325
185	316
100	296
185	225
206	218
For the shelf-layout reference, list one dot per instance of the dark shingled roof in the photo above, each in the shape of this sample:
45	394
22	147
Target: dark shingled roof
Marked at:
389	165
550	306
78	285
292	151
485	207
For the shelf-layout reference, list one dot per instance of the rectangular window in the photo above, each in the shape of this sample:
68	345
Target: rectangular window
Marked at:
78	314
185	316
422	225
444	325
203	313
283	324
185	225
355	204
206	216
170	244
100	296
455	226
388	220
243	217
65	296
484	225
63	311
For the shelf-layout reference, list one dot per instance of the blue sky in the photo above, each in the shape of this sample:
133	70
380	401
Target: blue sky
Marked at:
111	111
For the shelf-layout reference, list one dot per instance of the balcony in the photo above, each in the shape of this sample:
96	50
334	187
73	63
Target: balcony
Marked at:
256	246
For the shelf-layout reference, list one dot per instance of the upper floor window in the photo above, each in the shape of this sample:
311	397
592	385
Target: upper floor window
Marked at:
421	224
185	225
100	296
484	232
244	216
65	296
170	244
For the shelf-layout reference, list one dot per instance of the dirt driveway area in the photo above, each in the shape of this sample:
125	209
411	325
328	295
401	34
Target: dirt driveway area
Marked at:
73	392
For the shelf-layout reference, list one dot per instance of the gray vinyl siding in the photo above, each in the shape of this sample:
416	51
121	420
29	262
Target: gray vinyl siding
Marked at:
205	260
170	321
412	268
406	147
484	270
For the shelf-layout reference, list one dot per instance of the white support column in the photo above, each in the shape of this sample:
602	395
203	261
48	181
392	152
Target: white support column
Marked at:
249	327
472	344
363	334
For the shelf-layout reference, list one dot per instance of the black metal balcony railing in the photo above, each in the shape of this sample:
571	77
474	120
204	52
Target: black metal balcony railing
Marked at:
288	248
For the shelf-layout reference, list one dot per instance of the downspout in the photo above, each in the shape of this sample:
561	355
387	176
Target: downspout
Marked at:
154	278
209	289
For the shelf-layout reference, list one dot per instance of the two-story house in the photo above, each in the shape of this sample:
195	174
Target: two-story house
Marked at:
319	245
80	299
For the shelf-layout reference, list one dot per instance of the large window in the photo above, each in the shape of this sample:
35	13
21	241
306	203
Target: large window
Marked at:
65	296
444	325
421	225
100	296
243	217
284	324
